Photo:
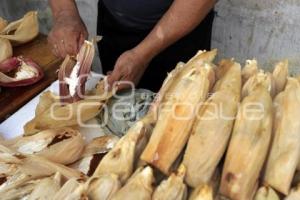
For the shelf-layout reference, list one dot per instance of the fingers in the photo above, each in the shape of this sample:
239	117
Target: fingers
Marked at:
62	45
109	73
114	77
71	44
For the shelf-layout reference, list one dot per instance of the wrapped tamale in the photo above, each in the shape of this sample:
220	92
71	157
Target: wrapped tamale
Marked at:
61	145
261	77
46	187
202	192
23	191
93	153
121	160
3	23
37	166
280	74
285	149
22	30
248	146
266	193
139	186
50	113
103	187
173	188
294	194
249	70
176	114
212	128
70	190
174	76
6	50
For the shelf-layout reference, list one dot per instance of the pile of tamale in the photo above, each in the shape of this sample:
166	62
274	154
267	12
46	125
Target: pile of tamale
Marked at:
213	132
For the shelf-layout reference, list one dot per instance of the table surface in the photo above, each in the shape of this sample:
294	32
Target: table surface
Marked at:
11	99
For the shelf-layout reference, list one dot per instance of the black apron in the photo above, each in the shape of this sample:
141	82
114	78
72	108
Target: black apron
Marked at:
118	38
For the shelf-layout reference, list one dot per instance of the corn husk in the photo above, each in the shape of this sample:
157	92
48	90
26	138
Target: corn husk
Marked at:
280	74
37	166
69	191
262	78
249	70
285	150
3	23
212	128
51	114
61	145
202	192
139	186
294	194
173	188
6	50
94	152
176	116
20	192
248	146
122	159
46	187
103	187
266	193
22	30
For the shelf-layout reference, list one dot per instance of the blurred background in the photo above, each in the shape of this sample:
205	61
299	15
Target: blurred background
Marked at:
266	30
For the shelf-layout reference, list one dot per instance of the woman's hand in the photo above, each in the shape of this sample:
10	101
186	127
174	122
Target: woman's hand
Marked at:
130	68
68	34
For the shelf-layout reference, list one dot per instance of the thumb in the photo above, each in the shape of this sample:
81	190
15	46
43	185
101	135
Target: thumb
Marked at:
109	73
114	77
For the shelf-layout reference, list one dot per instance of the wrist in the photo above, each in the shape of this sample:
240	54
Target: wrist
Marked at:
143	54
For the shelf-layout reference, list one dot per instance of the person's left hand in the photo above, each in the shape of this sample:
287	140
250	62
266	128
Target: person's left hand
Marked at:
130	67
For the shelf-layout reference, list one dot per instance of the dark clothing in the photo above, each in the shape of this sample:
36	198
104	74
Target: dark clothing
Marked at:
137	14
118	38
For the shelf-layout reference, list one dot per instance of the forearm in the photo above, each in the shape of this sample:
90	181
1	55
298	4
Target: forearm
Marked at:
63	6
181	18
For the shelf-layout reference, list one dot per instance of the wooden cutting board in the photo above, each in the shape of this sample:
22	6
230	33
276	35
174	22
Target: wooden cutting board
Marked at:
11	99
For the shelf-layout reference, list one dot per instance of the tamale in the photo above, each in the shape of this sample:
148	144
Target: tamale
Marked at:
56	115
93	153
266	193
294	194
37	166
5	50
46	187
68	189
202	192
3	23
249	70
103	187
139	186
176	114
21	192
280	74
248	146
173	188
261	78
22	30
212	128
61	145
285	150
174	76
122	159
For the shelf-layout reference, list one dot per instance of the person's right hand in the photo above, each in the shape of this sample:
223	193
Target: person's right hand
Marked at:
68	34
